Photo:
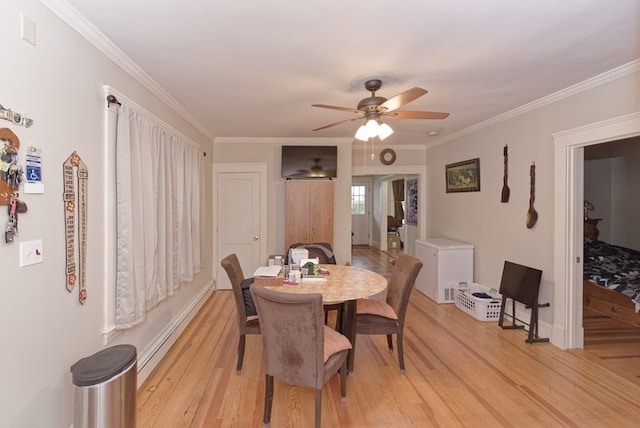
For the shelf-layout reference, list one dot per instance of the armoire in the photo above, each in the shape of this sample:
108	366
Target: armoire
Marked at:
308	211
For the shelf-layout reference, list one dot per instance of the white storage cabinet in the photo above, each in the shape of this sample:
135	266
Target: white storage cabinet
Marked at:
446	263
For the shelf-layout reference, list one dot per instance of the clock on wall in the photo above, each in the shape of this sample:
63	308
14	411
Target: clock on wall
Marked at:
387	156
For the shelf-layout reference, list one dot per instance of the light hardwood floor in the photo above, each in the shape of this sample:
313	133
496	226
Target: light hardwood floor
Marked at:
459	372
615	343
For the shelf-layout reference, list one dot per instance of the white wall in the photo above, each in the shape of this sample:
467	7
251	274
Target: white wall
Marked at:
351	161
410	163
597	190
377	236
611	177
239	150
59	82
44	329
498	229
625	196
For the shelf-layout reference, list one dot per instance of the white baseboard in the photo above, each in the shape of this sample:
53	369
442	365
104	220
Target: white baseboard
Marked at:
153	354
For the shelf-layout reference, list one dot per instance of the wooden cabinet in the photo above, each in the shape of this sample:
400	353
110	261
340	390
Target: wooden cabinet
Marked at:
309	212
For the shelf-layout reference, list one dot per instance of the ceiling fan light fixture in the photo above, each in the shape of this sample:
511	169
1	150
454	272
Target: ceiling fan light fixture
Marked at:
373	107
372	128
362	134
384	131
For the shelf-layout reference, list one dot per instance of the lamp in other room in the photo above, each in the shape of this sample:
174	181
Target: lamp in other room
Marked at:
588	206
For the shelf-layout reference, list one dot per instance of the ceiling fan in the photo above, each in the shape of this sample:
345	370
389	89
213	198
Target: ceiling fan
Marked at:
373	108
315	170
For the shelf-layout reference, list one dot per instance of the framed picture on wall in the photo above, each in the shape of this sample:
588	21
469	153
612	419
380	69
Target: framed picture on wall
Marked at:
463	176
411	203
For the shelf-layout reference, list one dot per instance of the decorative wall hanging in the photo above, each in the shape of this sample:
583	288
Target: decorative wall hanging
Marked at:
10	173
17	118
387	156
412	202
33	171
463	176
75	202
505	189
532	214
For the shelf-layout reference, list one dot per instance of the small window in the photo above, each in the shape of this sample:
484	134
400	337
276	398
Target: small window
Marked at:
358	200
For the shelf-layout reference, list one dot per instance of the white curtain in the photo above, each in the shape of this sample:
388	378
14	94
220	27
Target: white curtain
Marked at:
160	205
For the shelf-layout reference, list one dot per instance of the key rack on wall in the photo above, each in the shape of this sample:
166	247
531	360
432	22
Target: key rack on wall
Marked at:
11	145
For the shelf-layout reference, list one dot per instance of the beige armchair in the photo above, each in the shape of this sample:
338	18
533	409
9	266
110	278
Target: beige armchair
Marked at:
299	349
378	317
247	324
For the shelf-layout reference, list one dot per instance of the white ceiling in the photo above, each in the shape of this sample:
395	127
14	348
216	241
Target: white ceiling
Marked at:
253	68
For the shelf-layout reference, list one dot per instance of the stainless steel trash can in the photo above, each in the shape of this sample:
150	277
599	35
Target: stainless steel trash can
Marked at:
105	385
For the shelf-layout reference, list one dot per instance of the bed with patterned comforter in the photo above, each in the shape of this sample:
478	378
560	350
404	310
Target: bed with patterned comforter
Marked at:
613	267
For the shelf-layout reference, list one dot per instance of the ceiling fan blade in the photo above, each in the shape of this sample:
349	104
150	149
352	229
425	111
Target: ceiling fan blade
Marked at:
401	99
337	123
336	108
417	115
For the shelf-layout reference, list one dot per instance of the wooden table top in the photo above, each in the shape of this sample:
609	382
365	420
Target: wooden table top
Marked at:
342	284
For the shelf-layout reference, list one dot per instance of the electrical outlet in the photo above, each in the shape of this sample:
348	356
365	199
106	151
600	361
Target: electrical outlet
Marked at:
31	252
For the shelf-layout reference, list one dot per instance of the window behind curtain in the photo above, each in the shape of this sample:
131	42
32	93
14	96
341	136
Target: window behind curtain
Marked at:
159	214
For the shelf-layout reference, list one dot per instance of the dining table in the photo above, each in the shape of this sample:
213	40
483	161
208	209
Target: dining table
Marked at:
339	284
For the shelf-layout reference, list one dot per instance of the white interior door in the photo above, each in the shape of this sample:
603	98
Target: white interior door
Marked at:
360	212
238	221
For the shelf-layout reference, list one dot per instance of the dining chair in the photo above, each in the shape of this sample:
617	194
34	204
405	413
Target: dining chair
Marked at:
321	250
247	322
324	253
387	317
299	348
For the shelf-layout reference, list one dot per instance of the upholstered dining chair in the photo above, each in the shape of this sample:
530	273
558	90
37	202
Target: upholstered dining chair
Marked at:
299	348
324	253
387	317
321	250
247	323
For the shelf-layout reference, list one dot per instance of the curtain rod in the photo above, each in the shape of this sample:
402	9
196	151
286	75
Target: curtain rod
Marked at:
111	99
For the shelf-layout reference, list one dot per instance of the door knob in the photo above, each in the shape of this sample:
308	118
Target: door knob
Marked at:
255	238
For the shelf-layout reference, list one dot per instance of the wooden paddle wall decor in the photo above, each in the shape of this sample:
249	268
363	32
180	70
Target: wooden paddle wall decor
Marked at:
532	214
504	197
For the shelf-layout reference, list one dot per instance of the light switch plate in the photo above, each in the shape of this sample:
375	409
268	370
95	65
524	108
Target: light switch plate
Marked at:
31	252
28	29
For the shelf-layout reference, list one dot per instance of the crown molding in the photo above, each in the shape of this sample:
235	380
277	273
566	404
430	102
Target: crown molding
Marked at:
93	35
359	145
316	141
594	133
606	77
